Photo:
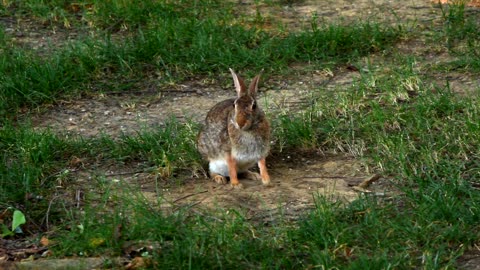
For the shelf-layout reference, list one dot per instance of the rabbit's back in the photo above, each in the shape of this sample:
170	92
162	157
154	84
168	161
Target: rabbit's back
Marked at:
213	140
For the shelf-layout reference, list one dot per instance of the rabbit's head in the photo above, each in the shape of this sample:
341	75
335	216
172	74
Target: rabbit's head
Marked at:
246	109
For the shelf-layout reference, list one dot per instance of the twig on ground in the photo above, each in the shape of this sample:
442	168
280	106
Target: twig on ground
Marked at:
189	195
313	177
48	211
367	182
203	215
78	197
146	170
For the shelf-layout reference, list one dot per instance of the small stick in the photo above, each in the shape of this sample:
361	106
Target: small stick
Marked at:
48	211
146	170
366	183
330	177
189	195
203	215
78	197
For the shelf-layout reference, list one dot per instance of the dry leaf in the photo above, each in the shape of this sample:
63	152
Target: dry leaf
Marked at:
138	263
96	242
44	241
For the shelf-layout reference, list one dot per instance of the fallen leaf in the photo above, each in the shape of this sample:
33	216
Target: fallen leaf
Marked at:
76	162
3	214
138	263
44	241
28	259
46	253
367	182
96	242
74	7
3	255
18	219
135	248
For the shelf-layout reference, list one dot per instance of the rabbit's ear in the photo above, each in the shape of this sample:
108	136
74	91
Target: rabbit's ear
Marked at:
252	89
239	84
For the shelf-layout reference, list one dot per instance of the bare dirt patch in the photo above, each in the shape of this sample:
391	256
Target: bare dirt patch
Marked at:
36	35
116	114
124	113
296	181
298	14
294	187
470	260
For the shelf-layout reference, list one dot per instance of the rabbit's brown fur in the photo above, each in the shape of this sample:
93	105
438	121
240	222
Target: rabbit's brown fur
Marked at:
236	135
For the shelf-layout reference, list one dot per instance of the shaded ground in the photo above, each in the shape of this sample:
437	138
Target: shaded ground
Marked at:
296	178
295	183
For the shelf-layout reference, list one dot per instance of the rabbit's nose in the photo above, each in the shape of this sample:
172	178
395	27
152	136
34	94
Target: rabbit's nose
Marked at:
240	122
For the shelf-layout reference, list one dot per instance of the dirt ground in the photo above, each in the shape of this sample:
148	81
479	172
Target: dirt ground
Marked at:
296	178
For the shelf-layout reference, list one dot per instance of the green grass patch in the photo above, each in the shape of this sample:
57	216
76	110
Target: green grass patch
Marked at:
175	41
460	34
35	164
30	161
29	80
170	148
207	48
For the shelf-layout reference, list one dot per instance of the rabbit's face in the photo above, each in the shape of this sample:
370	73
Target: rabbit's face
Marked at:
245	108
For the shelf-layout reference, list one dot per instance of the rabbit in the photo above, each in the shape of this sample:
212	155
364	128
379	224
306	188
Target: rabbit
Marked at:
235	136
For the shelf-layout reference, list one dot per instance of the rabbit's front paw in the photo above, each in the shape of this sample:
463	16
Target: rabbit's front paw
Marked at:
266	182
219	179
237	185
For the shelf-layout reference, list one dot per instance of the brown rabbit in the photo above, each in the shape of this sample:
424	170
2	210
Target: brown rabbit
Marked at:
235	136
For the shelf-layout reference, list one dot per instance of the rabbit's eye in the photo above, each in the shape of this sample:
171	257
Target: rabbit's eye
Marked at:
254	105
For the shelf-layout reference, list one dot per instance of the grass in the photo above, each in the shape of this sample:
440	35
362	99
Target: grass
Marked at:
461	35
423	136
210	44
